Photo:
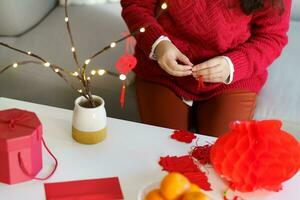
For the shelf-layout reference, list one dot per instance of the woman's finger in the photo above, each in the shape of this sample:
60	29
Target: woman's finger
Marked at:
208	64
212	79
176	73
184	59
177	67
208	71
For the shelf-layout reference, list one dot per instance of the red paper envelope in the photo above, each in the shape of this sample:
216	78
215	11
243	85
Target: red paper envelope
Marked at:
96	189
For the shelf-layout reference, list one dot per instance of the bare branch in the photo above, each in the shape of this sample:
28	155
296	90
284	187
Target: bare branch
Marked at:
20	63
23	52
53	67
67	20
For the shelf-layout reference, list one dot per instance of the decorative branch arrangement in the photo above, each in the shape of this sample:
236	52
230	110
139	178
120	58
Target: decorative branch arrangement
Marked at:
80	74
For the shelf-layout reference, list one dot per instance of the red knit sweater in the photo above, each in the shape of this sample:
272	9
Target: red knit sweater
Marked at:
206	29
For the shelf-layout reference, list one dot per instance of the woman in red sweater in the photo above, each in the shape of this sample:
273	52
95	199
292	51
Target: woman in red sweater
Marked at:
204	61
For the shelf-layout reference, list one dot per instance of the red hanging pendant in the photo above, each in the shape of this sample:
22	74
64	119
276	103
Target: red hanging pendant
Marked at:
126	63
122	97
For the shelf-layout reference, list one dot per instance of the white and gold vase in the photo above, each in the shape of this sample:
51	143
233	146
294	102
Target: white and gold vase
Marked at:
89	125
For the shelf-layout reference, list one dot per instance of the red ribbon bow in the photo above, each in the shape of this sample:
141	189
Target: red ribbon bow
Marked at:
14	120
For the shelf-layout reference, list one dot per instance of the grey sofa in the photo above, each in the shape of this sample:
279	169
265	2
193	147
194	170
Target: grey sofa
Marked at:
95	26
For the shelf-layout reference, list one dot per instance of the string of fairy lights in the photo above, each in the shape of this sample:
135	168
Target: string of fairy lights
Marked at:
80	73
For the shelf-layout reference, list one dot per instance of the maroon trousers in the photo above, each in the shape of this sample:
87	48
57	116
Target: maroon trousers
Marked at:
158	105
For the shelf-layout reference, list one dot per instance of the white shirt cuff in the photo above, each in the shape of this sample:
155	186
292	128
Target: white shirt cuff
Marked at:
231	70
188	102
161	38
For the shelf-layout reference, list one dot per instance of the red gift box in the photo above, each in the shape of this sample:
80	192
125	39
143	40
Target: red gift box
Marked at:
20	146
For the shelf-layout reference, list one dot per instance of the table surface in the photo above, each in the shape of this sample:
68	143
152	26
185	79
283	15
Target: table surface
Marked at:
131	152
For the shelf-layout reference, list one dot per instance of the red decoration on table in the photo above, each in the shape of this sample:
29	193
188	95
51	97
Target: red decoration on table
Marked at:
100	189
21	146
186	166
202	154
183	136
256	155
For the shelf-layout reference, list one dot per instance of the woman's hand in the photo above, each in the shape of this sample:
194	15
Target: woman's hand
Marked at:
169	59
215	70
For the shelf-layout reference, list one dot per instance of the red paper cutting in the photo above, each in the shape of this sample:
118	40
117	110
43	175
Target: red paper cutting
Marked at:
96	189
181	164
199	178
183	136
256	155
186	166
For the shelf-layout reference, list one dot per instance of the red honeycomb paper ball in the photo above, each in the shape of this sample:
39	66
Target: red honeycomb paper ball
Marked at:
256	155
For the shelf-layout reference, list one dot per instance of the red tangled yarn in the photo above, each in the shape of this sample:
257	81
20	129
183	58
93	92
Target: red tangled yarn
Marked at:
202	154
183	136
256	155
186	166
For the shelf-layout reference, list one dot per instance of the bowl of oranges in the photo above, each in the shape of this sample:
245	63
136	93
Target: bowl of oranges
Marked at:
174	186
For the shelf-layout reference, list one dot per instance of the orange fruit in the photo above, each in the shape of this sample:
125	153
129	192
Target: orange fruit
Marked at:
194	188
174	185
154	195
195	196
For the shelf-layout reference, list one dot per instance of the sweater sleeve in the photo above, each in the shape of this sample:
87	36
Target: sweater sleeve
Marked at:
137	14
268	37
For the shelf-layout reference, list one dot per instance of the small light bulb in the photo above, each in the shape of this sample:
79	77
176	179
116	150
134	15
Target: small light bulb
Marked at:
87	61
93	72
66	19
80	90
122	77
15	65
47	64
75	74
73	49
88	78
56	70
142	30
29	52
164	6
101	72
113	44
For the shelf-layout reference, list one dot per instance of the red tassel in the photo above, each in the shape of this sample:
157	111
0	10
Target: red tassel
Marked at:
122	97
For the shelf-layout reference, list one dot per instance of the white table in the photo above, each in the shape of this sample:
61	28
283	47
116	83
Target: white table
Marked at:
131	152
